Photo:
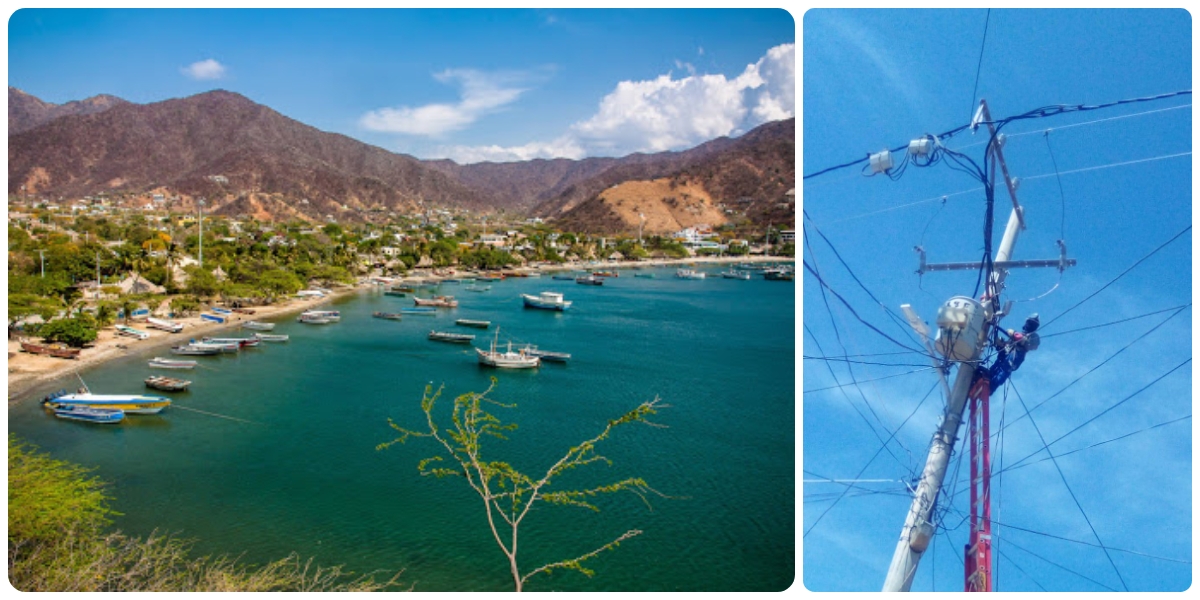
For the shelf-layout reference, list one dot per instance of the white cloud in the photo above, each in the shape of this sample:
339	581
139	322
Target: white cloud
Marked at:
653	115
563	147
480	94
204	70
667	113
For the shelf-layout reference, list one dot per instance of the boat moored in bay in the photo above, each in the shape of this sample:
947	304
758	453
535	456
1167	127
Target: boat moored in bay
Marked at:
546	301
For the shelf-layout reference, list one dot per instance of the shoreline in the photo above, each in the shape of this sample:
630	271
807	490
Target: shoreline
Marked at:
27	371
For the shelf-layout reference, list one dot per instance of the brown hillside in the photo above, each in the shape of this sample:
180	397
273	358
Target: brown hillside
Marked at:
26	112
668	205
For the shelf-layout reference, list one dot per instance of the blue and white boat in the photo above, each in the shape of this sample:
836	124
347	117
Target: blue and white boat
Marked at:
131	332
89	415
221	311
546	301
129	403
213	318
420	310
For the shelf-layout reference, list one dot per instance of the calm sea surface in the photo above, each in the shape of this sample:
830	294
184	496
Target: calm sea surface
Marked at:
306	478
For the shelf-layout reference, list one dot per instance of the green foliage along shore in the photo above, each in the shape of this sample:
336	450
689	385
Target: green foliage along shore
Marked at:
58	514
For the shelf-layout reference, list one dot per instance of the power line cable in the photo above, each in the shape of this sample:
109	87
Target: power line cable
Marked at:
1104	412
1082	542
1122	274
853	312
1108	166
1017	567
1132	433
1070	125
1102	363
1046	560
868	380
1062	476
872	459
859	362
979	65
1044	336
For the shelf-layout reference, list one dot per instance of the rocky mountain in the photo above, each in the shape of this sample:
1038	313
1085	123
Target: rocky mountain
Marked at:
224	147
245	158
749	176
26	112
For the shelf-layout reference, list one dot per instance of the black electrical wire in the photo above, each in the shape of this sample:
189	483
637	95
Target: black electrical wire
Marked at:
1062	476
858	362
1114	279
1074	541
872	459
1121	437
869	380
1044	336
1044	559
853	312
1104	412
979	65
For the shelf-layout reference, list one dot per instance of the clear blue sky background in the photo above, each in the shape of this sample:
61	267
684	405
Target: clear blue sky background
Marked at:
875	79
468	84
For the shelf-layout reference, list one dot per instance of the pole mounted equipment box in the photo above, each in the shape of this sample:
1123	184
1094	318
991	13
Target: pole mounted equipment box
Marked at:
881	161
920	147
960	324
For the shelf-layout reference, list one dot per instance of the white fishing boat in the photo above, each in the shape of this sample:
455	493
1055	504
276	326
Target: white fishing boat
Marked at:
333	316
454	338
258	326
689	274
131	332
170	363
193	350
735	274
241	342
269	337
164	325
314	320
546	301
231	348
508	359
473	323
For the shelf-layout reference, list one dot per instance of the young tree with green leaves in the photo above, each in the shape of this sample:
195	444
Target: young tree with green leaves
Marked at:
75	332
508	494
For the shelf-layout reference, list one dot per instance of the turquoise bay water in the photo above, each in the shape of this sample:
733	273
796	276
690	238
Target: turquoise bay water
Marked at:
305	477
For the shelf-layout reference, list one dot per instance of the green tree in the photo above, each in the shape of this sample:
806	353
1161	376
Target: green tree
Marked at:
278	282
75	331
507	494
201	282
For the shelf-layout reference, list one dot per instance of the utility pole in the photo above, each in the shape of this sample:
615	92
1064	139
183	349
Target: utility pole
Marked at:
42	253
201	206
919	527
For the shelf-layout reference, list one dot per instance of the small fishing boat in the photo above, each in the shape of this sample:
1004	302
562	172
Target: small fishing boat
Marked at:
546	354
404	289
231	348
420	310
473	323
333	315
451	281
241	342
644	275
605	274
164	325
258	326
56	351
213	318
167	384
779	274
478	288
689	274
193	350
314	320
508	359
88	414
387	315
396	293
129	403
454	338
438	301
269	337
546	301
131	332
220	311
589	280
735	274
169	363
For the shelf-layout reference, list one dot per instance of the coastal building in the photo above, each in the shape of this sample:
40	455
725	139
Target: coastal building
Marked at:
787	236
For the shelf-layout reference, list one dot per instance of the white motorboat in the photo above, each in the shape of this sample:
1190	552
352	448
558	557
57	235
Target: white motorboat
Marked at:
170	363
546	301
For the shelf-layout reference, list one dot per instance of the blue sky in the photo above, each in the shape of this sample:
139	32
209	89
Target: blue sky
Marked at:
466	84
874	79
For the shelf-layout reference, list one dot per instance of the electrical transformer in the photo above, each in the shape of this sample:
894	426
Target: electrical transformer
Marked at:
960	324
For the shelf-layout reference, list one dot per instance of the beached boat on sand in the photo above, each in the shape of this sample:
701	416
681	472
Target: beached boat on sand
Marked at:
164	325
131	332
56	351
258	326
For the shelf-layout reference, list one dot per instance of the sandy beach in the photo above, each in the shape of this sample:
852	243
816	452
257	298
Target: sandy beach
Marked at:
28	371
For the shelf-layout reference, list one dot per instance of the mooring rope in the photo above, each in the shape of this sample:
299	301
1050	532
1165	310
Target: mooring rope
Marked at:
215	414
